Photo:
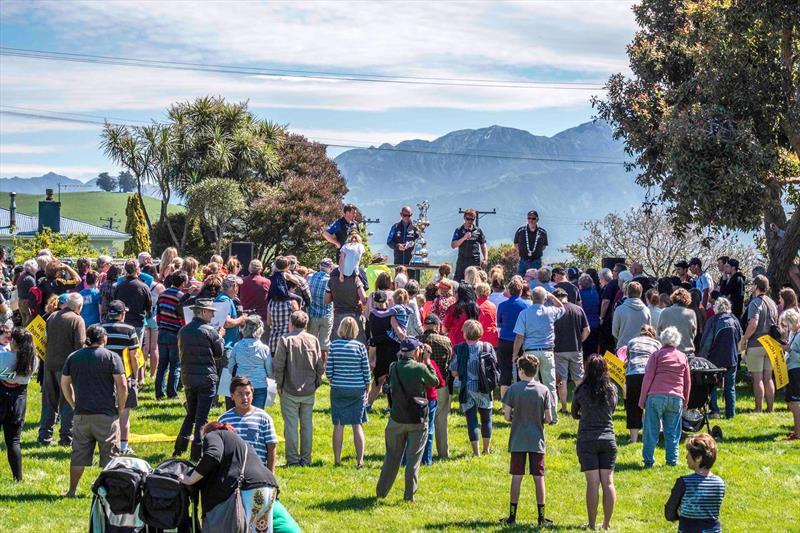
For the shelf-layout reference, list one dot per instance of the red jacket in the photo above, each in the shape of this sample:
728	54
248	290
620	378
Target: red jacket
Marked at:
430	392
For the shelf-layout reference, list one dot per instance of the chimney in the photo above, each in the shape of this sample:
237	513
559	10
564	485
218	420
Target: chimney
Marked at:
12	210
50	213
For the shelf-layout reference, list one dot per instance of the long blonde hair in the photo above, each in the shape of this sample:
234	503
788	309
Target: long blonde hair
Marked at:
164	268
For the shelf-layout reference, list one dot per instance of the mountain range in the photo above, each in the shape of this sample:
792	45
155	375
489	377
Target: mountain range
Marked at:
573	176
51	180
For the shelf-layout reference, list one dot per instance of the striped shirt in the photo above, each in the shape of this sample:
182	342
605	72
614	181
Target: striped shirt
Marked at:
702	497
255	428
121	336
169	315
318	284
401	314
348	365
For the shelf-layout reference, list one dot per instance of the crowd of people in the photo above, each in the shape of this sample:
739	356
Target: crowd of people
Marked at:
376	331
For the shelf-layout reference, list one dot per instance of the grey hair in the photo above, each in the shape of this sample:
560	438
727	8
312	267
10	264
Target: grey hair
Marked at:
253	327
585	281
670	337
791	317
538	295
30	266
103	260
74	301
722	305
544	275
606	274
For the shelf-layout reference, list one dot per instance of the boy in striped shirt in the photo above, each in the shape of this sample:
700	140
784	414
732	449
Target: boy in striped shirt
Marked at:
254	425
696	499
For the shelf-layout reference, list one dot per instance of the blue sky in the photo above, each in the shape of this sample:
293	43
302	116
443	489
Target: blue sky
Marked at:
565	40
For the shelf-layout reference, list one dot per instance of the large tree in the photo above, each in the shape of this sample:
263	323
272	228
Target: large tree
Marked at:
216	201
711	116
287	213
107	182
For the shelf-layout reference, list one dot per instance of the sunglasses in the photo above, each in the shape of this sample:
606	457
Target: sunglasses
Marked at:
469	219
532	218
405	214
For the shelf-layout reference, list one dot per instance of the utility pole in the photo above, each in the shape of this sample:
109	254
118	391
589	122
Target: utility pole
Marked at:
478	214
367	221
109	222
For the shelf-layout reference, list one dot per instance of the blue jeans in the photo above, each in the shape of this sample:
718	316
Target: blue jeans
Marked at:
729	389
168	358
427	454
525	264
260	397
664	409
472	423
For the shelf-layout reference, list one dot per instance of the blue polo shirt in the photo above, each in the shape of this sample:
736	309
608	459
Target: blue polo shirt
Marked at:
232	334
507	313
536	324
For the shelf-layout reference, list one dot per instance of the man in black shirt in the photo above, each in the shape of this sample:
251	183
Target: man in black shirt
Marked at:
402	237
93	383
340	229
136	297
471	244
734	288
560	279
530	240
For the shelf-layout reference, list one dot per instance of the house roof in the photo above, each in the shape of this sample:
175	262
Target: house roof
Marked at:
28	225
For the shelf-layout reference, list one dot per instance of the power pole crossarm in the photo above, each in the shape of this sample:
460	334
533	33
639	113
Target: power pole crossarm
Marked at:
478	214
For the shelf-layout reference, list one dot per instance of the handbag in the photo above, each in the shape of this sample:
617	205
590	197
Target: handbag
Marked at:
229	516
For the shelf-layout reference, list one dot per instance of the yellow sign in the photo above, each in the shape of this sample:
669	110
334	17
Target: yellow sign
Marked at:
38	330
616	369
775	354
126	361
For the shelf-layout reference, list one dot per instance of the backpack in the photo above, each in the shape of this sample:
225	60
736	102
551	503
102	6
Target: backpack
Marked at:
489	369
165	500
122	486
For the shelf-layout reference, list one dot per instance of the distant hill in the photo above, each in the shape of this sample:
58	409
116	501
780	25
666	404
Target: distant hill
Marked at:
51	180
586	182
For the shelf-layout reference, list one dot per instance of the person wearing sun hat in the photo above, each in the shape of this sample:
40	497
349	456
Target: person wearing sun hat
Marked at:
407	421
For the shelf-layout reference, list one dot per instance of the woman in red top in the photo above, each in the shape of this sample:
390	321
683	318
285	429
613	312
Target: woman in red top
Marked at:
465	308
487	314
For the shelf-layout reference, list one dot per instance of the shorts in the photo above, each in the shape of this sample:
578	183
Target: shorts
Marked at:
793	388
505	357
757	360
133	394
535	463
569	365
597	454
88	430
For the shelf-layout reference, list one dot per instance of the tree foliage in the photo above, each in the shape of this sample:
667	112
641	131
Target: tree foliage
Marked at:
62	245
505	255
649	237
136	227
581	255
106	182
288	213
126	182
217	202
195	242
712	115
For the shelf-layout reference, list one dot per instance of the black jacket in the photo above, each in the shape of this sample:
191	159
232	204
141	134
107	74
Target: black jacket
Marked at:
137	298
734	291
200	347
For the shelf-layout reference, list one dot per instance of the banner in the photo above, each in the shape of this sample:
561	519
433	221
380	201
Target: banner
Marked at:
126	361
616	369
775	354
38	329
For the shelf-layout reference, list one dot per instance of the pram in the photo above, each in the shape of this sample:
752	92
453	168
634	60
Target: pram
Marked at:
705	376
118	487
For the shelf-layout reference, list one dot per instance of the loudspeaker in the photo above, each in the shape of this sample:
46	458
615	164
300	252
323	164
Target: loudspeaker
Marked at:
608	262
243	252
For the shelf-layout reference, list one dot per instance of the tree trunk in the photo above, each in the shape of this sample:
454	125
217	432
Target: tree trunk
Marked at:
165	196
781	251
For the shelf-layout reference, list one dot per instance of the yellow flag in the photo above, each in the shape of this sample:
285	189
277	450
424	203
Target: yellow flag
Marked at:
616	369
38	330
775	354
126	361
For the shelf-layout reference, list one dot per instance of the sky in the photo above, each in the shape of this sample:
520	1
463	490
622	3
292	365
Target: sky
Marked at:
576	43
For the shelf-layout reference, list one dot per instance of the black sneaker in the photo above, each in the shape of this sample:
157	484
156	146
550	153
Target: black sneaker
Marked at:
508	520
544	522
65	443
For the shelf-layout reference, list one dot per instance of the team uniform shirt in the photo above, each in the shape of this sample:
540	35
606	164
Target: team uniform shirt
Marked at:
255	428
470	249
401	233
531	242
341	228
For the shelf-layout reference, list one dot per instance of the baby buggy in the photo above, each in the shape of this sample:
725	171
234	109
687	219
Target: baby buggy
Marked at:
705	376
115	505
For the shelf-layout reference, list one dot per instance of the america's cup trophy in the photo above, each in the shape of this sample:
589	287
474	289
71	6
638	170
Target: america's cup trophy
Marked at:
420	256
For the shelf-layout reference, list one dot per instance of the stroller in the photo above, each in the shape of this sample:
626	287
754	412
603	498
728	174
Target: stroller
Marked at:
705	376
115	504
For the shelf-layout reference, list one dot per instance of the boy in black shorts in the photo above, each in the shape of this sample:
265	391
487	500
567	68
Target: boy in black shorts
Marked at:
526	404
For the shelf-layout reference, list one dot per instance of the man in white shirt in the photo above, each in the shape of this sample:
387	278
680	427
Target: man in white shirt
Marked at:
703	281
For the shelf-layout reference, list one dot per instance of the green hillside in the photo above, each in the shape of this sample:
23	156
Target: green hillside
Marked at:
92	206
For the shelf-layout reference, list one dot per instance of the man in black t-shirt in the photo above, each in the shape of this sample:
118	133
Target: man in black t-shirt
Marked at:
93	383
570	332
471	243
560	279
530	240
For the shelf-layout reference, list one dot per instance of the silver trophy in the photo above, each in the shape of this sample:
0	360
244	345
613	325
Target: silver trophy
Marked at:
420	256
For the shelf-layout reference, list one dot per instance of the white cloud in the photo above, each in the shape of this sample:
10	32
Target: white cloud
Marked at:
27	149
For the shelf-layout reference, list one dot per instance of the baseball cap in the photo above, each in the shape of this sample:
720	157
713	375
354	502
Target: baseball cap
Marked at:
62	298
681	264
533	213
432	319
230	280
326	263
116	308
409	344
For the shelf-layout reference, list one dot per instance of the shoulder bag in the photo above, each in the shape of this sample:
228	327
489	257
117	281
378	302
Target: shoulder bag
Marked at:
229	516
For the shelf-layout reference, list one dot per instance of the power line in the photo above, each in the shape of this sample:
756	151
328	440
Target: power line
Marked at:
295	73
118	122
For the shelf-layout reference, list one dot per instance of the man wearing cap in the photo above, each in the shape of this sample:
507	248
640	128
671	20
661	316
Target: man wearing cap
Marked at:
230	290
471	243
406	431
560	279
320	314
254	290
703	282
340	229
735	288
402	237
682	273
530	240
201	350
122	337
441	352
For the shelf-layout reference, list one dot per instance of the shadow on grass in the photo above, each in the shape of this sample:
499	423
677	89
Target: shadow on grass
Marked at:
161	417
354	503
769	437
479	525
24	498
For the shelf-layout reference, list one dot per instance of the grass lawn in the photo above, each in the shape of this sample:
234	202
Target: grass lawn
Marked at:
762	472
